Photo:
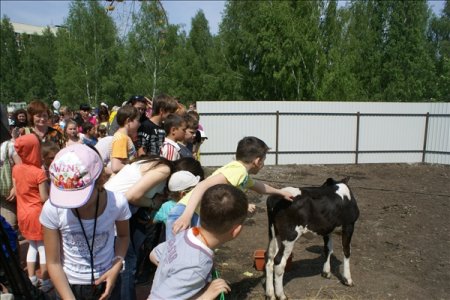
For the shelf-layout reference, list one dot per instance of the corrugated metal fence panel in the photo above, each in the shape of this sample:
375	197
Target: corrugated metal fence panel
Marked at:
225	131
313	107
329	134
391	133
308	133
438	134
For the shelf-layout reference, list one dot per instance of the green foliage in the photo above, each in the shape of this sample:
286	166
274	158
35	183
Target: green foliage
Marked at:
38	66
148	49
9	64
439	35
86	54
407	67
373	50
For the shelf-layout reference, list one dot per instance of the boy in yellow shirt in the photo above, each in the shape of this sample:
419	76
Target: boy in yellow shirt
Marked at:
122	148
250	156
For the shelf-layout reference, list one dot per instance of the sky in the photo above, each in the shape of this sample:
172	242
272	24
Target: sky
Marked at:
43	13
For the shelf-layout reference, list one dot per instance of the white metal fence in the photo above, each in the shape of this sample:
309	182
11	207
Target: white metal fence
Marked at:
329	132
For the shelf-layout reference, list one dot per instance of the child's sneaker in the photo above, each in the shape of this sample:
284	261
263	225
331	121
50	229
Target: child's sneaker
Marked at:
34	280
46	285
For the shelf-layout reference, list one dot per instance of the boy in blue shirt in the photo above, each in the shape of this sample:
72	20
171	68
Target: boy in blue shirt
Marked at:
180	183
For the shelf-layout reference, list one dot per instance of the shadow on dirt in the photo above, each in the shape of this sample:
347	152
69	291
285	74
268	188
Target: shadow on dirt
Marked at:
312	267
243	288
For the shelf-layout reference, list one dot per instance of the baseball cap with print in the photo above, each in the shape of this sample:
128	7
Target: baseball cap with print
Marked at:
182	180
73	173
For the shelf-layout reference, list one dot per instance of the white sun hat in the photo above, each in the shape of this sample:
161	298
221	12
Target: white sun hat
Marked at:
182	180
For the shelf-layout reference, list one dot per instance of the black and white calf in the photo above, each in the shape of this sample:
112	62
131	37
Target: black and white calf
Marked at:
314	209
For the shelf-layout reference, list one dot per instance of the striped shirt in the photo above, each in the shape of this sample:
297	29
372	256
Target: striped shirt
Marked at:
170	150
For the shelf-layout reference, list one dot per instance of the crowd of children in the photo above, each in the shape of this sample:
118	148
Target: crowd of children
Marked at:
115	196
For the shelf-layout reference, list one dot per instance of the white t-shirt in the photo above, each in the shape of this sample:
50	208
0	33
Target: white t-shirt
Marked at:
185	267
127	177
75	257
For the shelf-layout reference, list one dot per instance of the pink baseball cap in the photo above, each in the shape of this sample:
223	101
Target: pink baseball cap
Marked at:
73	173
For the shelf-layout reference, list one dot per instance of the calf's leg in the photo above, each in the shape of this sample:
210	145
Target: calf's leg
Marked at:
270	256
280	264
347	232
328	249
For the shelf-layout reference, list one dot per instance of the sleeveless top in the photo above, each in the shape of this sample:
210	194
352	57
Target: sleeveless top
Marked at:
127	177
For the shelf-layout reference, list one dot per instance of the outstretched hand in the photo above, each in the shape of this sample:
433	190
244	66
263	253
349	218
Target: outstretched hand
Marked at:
288	196
214	289
182	223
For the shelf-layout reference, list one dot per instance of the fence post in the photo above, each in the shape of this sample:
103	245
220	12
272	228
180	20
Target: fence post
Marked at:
425	136
357	137
277	126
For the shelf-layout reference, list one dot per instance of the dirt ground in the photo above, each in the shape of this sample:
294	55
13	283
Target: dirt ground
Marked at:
400	248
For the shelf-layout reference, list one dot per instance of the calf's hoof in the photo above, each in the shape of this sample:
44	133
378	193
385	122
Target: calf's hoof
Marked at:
283	297
348	282
326	275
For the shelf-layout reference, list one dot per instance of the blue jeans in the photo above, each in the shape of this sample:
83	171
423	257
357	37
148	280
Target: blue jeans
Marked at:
174	214
127	289
137	237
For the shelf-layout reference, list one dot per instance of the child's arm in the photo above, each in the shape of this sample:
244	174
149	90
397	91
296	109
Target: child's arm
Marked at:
153	177
16	158
157	253
52	252
184	220
140	151
153	258
213	290
12	192
117	164
43	191
263	188
121	246
119	153
123	238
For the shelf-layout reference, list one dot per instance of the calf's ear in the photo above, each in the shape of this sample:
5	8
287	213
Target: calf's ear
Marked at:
346	179
330	181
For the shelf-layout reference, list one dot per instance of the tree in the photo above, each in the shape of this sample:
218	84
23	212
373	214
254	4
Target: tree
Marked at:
440	39
364	44
338	82
148	49
9	63
86	53
274	47
38	65
198	63
407	68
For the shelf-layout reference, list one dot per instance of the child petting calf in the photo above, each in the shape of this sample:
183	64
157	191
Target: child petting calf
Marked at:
250	156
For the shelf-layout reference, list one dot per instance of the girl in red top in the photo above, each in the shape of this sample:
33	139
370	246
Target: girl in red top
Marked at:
31	186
